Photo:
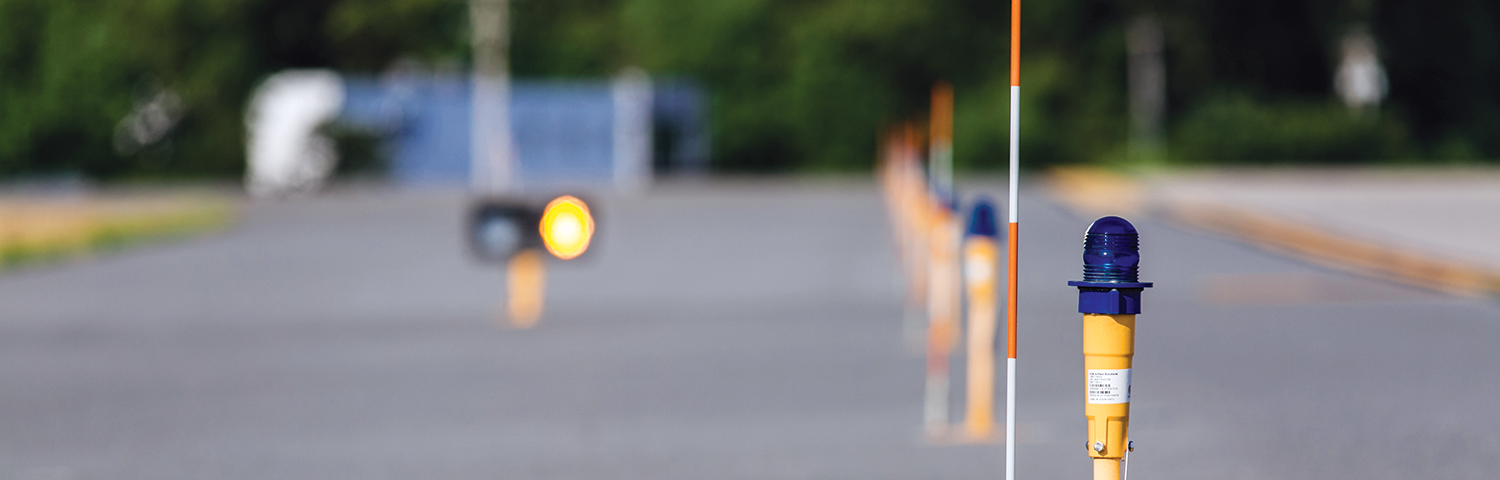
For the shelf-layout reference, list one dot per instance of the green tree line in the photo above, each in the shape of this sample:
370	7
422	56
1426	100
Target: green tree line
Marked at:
796	85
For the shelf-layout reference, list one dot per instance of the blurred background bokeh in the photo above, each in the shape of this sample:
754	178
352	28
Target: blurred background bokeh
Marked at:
795	85
336	265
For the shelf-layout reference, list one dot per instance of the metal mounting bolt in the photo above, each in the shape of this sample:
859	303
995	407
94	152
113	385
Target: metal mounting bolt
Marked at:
1130	445
1098	446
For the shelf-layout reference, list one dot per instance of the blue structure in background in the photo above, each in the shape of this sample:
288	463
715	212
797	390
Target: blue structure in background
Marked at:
426	122
564	131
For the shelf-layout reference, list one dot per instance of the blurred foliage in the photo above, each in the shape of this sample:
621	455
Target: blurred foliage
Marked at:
809	84
796	84
70	70
1239	129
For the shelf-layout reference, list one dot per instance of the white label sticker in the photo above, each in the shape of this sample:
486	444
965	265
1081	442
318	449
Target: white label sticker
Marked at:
1109	386
977	270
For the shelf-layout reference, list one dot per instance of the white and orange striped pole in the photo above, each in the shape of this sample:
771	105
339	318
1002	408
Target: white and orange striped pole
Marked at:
1013	239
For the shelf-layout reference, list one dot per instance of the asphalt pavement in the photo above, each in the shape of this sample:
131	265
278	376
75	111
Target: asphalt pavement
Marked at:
719	330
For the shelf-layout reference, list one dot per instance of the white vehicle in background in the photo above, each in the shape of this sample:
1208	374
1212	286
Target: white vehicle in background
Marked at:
285	150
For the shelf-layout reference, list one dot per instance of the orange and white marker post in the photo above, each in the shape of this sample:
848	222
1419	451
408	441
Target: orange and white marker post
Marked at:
1013	239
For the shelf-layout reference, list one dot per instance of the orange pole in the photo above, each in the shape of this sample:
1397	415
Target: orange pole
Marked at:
940	147
1015	43
1010	299
941	123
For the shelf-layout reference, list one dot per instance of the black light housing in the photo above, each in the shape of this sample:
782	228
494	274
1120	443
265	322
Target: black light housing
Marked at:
499	228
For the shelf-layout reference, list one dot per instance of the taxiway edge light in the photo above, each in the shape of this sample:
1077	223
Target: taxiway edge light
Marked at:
567	227
1109	297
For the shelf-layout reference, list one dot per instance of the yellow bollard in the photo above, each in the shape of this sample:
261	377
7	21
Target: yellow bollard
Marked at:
981	265
526	283
917	212
1109	297
1108	348
943	298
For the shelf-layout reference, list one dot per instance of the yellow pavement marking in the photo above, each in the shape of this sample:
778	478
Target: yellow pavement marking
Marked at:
1092	191
1340	251
1303	288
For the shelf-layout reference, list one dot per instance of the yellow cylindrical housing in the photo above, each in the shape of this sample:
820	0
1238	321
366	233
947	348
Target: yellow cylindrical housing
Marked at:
1108	348
981	260
944	285
1106	469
